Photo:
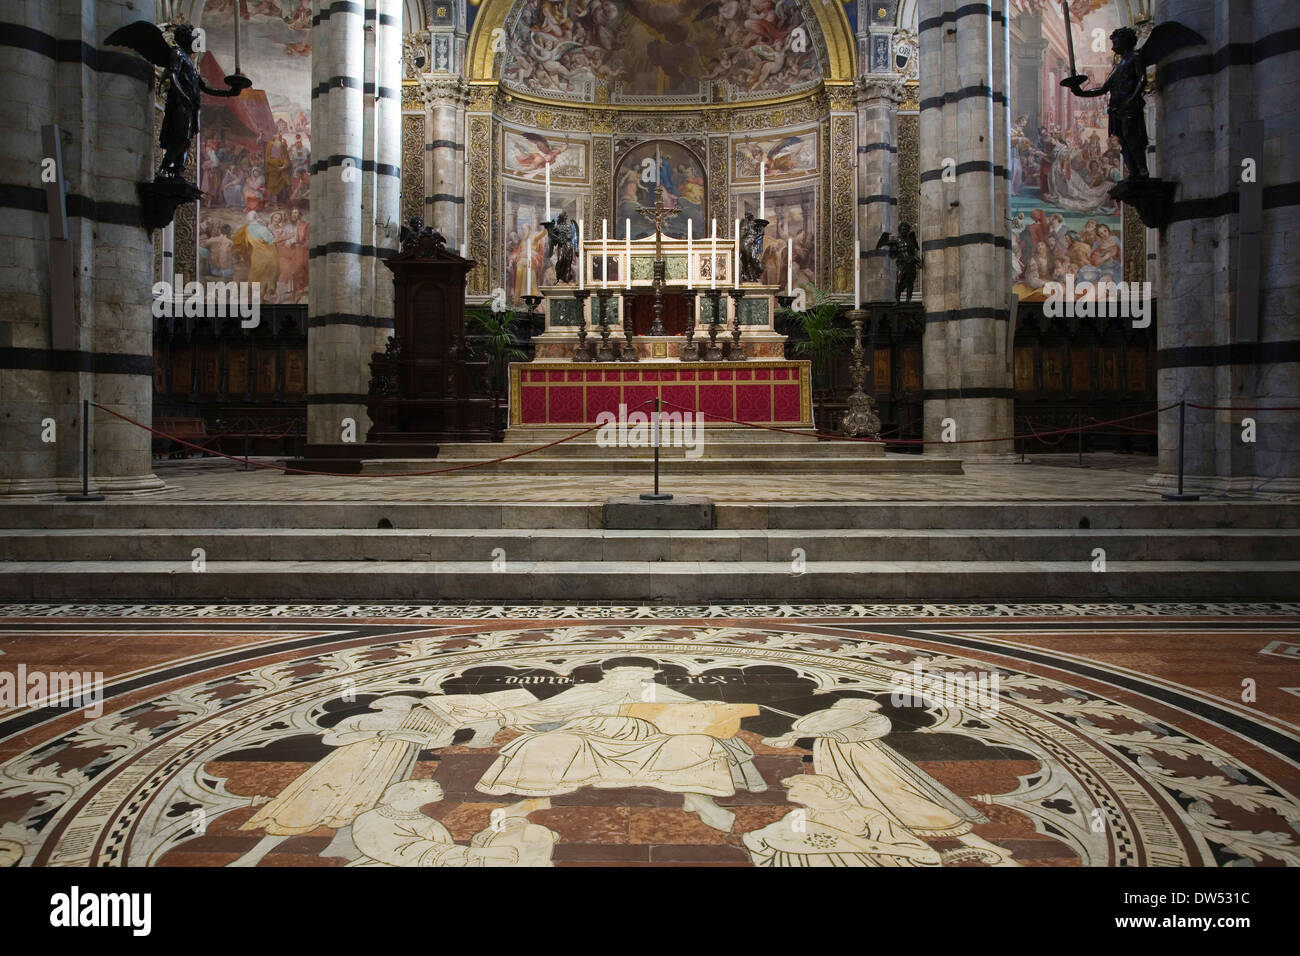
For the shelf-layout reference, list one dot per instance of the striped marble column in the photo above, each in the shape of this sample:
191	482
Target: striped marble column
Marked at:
1229	313
878	100
355	204
966	252
445	99
56	70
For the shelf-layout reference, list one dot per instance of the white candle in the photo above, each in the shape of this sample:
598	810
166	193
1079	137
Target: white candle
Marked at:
628	227
604	252
762	190
857	274
735	278
713	257
236	38
582	254
789	267
690	226
548	192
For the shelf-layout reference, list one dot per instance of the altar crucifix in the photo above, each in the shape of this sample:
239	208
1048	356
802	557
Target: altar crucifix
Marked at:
660	215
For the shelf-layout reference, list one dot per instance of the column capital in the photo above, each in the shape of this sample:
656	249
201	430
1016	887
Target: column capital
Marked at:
877	88
443	90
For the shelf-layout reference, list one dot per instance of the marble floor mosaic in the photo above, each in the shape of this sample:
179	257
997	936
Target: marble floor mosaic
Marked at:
873	735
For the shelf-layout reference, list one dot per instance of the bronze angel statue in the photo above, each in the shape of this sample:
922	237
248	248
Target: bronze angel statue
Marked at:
906	253
1126	86
184	85
562	243
751	248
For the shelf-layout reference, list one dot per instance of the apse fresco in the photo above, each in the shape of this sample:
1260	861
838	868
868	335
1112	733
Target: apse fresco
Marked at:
528	154
1063	223
527	268
681	182
255	150
791	215
785	156
660	48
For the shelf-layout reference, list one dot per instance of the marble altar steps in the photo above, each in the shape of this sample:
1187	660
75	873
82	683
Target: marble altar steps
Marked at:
722	451
560	553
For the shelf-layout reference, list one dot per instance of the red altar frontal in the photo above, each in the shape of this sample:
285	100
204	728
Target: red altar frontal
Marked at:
566	393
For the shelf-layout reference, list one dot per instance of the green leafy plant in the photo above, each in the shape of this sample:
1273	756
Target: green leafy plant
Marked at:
823	338
495	336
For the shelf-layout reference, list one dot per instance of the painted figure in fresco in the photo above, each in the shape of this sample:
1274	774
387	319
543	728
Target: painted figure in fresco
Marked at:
906	253
1126	86
254	243
834	830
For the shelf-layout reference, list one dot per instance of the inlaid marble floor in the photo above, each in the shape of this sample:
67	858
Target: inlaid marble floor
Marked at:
1046	478
873	735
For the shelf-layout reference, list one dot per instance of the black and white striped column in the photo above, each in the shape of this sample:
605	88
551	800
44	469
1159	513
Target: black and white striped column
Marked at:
355	204
878	100
56	70
1229	279
966	252
445	99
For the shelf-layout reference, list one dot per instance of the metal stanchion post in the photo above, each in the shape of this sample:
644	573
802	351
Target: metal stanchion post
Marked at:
1182	435
654	440
85	457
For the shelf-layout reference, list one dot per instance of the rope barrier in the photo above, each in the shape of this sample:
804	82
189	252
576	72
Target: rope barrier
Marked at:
1239	408
819	436
330	474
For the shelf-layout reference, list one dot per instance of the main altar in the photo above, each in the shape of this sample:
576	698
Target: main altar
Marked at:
660	318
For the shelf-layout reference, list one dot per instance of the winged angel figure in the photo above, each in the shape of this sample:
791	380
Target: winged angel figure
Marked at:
1126	86
184	84
562	243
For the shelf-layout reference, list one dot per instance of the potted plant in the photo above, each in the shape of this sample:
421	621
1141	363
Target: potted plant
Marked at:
495	336
820	337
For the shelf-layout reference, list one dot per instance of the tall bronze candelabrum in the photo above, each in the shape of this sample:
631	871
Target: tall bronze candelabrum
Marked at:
736	351
713	352
861	420
583	352
605	349
628	354
691	348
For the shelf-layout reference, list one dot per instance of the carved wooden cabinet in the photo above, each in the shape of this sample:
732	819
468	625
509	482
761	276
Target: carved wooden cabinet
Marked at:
426	387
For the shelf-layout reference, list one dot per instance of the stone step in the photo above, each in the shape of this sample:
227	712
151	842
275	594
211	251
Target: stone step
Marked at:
157	512
588	447
595	545
657	582
542	463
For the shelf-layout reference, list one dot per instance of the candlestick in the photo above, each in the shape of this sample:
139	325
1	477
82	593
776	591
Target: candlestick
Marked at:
604	252
713	258
628	227
237	3
857	274
762	190
789	267
735	277
582	255
690	225
548	192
